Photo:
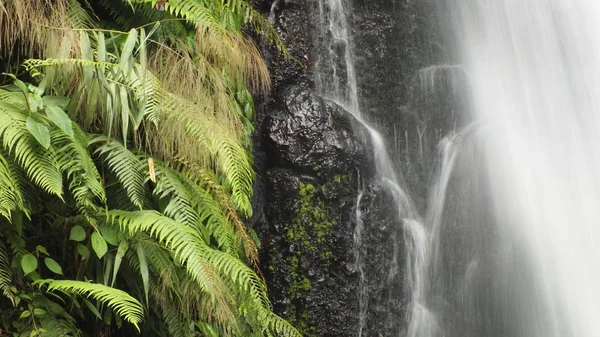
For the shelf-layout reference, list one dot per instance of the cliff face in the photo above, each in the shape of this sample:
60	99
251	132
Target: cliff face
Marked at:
316	177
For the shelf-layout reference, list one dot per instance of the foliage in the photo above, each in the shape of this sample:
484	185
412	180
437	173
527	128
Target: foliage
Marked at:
126	169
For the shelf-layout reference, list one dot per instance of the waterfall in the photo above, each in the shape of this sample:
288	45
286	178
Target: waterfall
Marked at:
336	80
513	224
510	246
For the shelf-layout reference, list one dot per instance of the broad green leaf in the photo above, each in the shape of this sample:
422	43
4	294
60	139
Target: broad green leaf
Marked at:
59	101
127	51
99	244
29	263
110	235
39	91
35	102
60	119
123	246
53	266
141	253
39	131
124	113
83	251
18	82
42	250
34	275
77	234
92	308
25	314
39	312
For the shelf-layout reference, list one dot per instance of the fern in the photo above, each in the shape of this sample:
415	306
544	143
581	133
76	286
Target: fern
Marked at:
6	275
74	159
11	198
186	243
122	303
39	163
200	260
127	167
79	16
193	206
208	181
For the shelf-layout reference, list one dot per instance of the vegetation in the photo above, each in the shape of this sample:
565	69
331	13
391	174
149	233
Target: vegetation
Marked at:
126	169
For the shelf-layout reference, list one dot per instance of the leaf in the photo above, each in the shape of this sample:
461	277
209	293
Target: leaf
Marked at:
121	302
60	119
143	268
53	266
99	244
83	251
59	101
125	112
77	234
39	131
25	314
42	250
28	263
39	312
126	52
110	235
123	246
92	308
35	102
18	82
36	90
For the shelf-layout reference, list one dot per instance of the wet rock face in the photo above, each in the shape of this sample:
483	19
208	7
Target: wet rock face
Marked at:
311	163
382	240
308	132
308	251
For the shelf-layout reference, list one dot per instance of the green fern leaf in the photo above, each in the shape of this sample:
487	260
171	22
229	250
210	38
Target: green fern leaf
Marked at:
122	303
75	160
128	168
6	275
39	163
11	197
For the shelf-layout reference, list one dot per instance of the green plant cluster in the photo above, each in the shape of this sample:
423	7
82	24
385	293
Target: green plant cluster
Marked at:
126	169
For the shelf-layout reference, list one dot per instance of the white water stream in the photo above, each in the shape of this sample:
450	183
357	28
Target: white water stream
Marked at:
514	243
511	242
336	81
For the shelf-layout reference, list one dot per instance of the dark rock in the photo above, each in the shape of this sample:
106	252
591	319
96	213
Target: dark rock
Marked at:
311	134
309	253
382	240
309	160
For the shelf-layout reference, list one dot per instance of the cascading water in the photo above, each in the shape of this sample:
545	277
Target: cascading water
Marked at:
511	243
513	225
336	81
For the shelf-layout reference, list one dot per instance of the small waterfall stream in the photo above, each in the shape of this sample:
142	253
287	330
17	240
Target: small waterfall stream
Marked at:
336	80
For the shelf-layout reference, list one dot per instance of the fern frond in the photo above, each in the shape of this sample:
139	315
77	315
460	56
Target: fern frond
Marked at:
193	11
193	206
79	16
121	302
209	182
231	159
39	164
11	198
6	275
185	243
128	168
75	160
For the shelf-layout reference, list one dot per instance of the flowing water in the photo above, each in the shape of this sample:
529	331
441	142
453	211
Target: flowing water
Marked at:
510	245
336	80
513	246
